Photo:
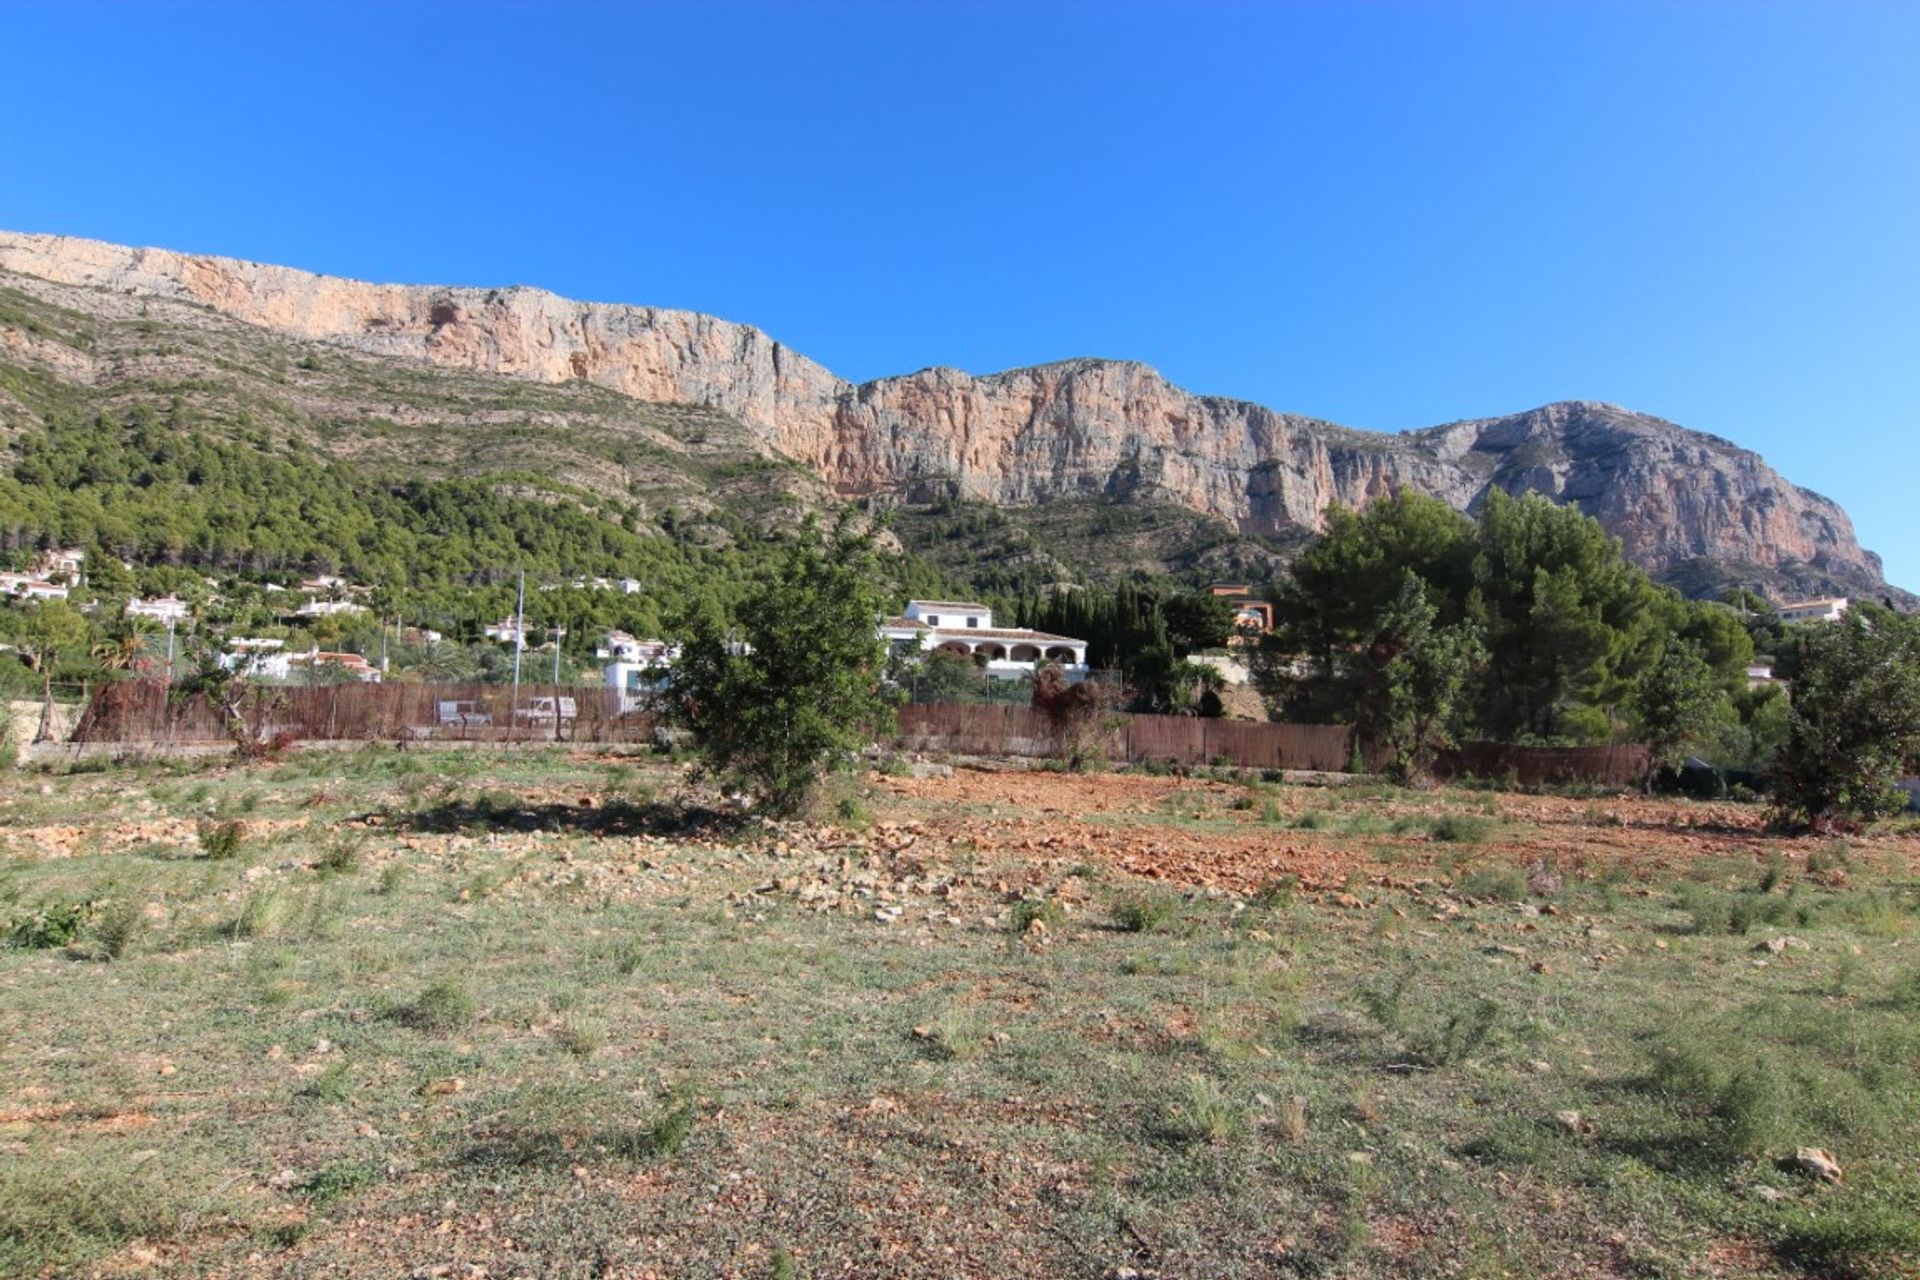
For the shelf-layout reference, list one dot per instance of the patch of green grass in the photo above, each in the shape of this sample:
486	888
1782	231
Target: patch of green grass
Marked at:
219	840
1462	828
442	1006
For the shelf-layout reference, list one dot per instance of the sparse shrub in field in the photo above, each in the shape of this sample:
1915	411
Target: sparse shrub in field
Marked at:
335	1084
391	879
1502	884
782	1266
1717	911
1270	810
1028	912
341	855
1202	1113
1737	1100
1143	914
955	1036
338	1180
120	923
850	810
1312	820
581	1036
1835	855
1385	1003
1870	1240
443	1006
261	915
662	1138
57	924
1464	1033
1461	828
220	840
1276	894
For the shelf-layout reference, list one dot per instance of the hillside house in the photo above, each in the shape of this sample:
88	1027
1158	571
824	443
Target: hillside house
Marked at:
351	663
26	586
958	627
161	609
1831	609
636	669
328	608
509	631
1252	617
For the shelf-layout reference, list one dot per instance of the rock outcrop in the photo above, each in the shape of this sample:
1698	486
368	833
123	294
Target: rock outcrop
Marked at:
1079	428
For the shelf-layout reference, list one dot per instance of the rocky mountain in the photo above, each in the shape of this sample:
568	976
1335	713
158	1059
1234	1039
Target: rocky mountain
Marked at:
1079	434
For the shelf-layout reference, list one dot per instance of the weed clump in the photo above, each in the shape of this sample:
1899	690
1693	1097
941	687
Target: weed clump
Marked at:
1461	828
443	1006
57	924
220	841
1143	914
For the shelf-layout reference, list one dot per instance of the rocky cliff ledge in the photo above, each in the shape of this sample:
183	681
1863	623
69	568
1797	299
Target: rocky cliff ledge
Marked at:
1076	428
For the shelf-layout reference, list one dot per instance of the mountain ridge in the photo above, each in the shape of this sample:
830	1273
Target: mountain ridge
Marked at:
1078	429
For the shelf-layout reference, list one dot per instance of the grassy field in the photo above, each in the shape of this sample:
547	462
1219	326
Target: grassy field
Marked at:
523	1014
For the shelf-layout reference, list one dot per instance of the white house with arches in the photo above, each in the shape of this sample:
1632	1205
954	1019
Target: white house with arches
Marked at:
958	627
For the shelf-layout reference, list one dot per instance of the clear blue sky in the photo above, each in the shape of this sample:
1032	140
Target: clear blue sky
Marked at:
1387	214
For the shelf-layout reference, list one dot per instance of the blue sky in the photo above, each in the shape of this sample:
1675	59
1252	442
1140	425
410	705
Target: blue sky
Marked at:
1386	214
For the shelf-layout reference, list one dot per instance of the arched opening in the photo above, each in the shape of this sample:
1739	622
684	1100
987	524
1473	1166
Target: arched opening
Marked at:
1060	653
954	646
1024	653
992	652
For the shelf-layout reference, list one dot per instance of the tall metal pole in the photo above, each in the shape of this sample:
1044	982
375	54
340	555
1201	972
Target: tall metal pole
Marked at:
557	632
519	645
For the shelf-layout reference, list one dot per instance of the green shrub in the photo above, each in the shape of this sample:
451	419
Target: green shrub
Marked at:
341	855
1143	914
120	923
220	840
1028	912
1502	884
339	1180
443	1006
56	924
1461	828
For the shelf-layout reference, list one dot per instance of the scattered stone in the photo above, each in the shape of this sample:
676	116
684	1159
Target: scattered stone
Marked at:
1780	945
1574	1123
440	1088
1817	1163
1769	1195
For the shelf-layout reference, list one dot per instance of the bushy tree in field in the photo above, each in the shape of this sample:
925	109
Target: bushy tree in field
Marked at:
1418	677
42	633
1678	702
791	688
1855	724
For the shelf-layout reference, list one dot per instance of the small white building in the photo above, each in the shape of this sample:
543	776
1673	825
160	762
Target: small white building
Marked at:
1830	609
26	586
350	663
328	608
508	631
958	627
162	609
638	670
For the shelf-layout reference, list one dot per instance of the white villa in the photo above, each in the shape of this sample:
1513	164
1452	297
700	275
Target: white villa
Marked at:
508	631
162	609
327	608
1828	610
636	667
947	626
25	586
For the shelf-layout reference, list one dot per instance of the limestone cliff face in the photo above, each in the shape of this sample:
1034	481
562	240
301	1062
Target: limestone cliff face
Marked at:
1079	428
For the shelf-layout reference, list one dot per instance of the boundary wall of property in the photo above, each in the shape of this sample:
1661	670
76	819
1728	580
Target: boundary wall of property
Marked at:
140	711
1248	744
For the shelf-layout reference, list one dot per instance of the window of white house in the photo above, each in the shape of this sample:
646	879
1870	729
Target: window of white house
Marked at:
973	622
933	620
